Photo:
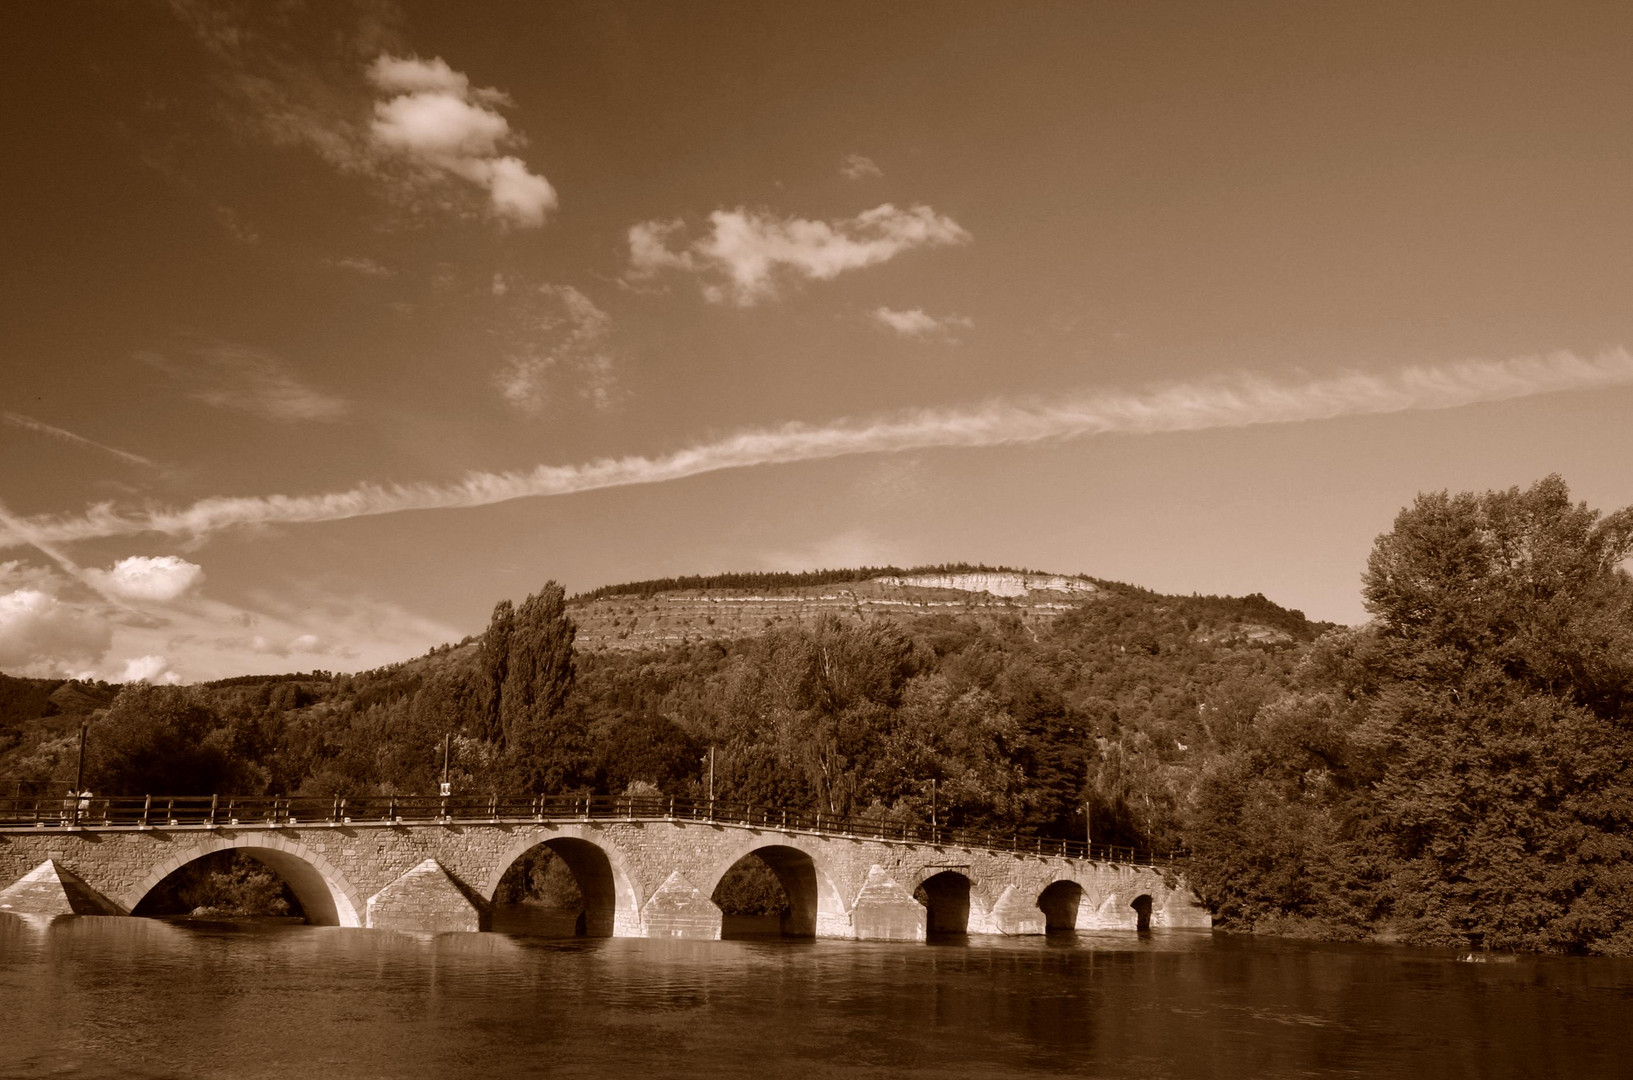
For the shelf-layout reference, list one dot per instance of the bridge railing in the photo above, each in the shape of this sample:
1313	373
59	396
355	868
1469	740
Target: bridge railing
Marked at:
160	811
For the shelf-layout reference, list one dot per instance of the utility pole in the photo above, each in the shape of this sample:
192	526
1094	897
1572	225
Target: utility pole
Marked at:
711	781
1088	827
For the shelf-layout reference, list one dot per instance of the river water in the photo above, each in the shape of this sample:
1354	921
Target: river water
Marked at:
127	997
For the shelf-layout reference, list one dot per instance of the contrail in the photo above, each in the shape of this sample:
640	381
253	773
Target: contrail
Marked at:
40	427
1224	403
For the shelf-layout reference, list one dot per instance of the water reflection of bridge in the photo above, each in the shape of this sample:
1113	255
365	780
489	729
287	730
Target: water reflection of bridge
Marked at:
645	867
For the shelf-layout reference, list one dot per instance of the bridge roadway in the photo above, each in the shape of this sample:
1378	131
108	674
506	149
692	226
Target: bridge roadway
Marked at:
647	867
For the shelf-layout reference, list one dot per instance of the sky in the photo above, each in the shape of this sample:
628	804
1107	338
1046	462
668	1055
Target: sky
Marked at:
325	326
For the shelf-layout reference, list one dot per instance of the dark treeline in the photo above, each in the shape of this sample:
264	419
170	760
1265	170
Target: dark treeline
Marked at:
1458	771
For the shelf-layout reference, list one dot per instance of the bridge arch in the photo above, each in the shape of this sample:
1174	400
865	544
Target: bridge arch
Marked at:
611	907
816	908
1142	911
1060	902
948	896
325	895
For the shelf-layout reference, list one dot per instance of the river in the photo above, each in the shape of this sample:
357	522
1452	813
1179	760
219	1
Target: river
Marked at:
128	997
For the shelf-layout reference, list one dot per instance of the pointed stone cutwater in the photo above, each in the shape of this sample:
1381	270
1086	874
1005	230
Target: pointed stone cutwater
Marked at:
884	911
1016	912
52	889
680	910
426	899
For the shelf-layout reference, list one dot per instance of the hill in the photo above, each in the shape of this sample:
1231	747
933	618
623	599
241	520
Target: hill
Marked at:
677	611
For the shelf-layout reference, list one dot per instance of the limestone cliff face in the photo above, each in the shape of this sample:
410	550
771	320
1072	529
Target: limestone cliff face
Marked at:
997	584
678	616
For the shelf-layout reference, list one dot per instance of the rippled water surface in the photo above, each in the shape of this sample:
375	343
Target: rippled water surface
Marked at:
105	997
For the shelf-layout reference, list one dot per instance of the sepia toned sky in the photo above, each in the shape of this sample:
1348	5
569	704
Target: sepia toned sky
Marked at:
324	326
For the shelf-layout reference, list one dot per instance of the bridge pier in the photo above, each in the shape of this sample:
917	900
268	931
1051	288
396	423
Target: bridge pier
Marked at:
884	911
426	900
678	909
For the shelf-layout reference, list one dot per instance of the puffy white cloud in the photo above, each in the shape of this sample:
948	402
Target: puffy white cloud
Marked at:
560	335
42	634
437	122
147	577
916	323
230	376
745	249
857	167
149	669
408	75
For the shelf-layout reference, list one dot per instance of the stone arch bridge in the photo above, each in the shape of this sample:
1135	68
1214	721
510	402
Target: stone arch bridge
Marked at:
645	867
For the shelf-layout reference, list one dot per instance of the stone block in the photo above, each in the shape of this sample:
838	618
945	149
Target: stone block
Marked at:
50	889
425	899
680	910
884	911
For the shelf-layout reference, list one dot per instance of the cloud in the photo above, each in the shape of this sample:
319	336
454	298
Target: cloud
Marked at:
149	669
857	167
341	88
250	380
746	250
235	225
914	323
560	335
144	577
436	121
1196	406
360	265
40	427
44	635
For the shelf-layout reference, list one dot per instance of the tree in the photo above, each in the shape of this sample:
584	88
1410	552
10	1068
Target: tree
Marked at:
544	737
493	665
160	740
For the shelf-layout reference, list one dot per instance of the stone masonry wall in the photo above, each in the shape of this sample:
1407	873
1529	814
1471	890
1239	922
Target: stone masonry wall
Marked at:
335	870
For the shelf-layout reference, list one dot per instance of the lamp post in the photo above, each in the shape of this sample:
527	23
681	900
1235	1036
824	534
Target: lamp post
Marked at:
708	760
79	769
447	786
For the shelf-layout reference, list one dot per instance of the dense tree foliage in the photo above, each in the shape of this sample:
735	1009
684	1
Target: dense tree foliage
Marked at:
1460	770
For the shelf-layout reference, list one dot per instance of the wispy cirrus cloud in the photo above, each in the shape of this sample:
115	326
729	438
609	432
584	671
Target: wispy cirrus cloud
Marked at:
916	323
561	337
360	264
1223	403
245	379
745	251
40	427
858	167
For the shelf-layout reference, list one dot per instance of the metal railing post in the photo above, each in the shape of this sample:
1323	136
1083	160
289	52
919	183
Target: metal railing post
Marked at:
147	806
